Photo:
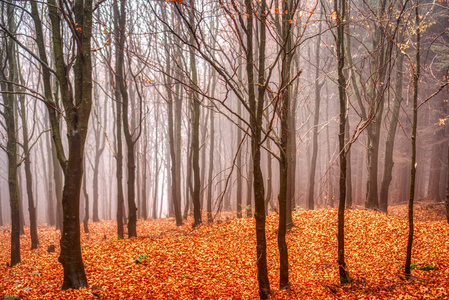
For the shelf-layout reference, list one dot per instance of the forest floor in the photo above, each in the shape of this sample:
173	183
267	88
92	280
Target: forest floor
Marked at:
218	261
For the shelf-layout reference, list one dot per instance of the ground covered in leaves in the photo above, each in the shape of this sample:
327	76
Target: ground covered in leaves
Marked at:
218	261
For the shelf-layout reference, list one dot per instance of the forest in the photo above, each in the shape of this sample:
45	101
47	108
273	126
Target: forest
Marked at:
224	149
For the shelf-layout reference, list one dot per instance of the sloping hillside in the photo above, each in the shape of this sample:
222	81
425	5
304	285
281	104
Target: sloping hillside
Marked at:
218	261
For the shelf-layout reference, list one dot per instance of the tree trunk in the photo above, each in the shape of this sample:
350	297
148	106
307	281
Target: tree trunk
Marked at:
447	186
144	174
77	119
51	203
195	127
19	190
256	109
1	210
316	117
86	204
211	167
11	146
130	143
28	176
212	143
96	171
436	167
416	74
340	9
348	167
119	146
376	98
249	188
285	197
58	177
157	168
239	154
269	195
203	158
389	147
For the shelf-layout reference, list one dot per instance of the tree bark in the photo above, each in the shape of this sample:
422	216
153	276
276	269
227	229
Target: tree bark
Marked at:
100	141
389	147
249	188
28	176
77	112
239	179
86	205
11	146
211	167
316	117
195	126
416	74
256	113
119	146
130	143
340	9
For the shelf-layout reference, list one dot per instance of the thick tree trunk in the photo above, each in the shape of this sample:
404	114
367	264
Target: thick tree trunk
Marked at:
70	256
77	119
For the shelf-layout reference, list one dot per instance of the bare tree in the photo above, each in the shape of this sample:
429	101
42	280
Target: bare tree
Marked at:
10	124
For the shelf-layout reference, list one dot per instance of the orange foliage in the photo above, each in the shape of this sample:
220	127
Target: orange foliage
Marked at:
218	261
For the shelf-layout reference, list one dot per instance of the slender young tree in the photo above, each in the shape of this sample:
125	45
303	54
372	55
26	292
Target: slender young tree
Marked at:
100	142
28	176
316	117
195	123
256	113
340	11
118	124
416	73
